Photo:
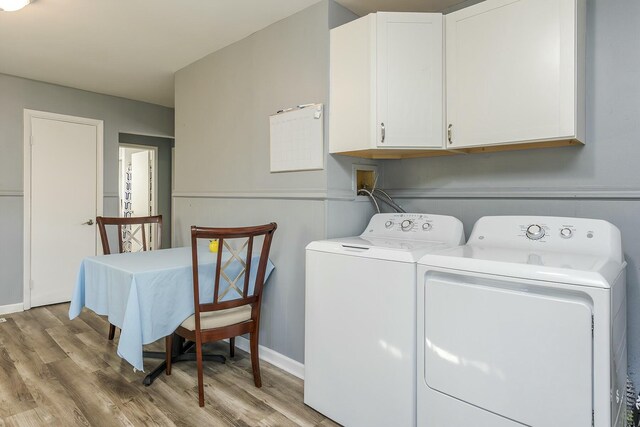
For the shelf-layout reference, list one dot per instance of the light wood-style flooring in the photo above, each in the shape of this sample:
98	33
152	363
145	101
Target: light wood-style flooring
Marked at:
61	372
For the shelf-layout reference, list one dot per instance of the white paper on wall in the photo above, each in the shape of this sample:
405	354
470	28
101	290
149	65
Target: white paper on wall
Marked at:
297	139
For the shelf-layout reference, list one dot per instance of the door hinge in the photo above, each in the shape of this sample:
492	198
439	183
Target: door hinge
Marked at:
31	139
593	418
592	323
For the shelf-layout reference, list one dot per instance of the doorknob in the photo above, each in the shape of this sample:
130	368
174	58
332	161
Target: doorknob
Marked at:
90	222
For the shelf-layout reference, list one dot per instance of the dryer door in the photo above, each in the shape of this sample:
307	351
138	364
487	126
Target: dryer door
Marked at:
520	351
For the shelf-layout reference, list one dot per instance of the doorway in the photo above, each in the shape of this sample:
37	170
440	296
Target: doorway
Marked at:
62	197
148	193
137	189
138	180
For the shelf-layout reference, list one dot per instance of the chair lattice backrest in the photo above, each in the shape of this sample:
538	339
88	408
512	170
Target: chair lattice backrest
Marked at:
230	286
135	234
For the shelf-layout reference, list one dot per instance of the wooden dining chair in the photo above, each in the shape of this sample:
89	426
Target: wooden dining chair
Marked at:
134	234
227	317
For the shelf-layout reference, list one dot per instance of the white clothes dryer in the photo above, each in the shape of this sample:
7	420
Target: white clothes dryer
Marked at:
525	325
360	318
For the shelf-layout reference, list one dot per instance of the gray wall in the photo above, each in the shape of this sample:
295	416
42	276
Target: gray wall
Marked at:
223	103
344	216
119	115
599	180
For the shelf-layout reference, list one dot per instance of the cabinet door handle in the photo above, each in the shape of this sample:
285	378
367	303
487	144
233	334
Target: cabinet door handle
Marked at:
383	132
449	133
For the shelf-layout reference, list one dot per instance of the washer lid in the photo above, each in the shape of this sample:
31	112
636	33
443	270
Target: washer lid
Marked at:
577	269
378	248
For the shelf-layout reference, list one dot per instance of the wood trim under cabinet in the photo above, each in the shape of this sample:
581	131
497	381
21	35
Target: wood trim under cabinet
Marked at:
409	153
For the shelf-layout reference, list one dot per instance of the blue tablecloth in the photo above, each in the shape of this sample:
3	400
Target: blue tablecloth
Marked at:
149	294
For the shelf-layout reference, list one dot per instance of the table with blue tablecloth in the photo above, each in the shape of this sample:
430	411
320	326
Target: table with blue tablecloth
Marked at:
149	294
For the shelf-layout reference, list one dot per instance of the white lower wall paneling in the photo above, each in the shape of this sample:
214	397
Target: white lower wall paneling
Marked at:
276	359
11	308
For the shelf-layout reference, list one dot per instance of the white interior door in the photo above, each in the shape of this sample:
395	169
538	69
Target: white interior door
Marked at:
63	195
141	192
140	180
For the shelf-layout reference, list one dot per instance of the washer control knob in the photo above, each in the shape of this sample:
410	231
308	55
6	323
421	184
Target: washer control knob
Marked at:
426	226
566	233
406	225
388	224
535	232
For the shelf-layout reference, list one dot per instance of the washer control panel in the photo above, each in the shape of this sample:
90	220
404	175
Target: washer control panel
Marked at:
407	224
404	223
412	226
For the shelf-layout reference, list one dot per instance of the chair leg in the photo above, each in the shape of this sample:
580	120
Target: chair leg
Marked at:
232	346
255	363
168	350
200	373
112	331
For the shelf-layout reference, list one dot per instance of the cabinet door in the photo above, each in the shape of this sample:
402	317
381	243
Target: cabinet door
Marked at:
409	80
351	83
512	72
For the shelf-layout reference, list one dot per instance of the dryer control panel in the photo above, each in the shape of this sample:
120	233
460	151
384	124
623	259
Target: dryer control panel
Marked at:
540	231
574	235
415	226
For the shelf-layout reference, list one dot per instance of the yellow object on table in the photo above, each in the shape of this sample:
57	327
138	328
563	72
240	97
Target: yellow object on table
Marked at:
213	245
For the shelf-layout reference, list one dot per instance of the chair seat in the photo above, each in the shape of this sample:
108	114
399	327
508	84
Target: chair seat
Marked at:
219	318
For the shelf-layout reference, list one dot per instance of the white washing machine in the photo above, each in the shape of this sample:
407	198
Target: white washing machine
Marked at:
525	325
360	318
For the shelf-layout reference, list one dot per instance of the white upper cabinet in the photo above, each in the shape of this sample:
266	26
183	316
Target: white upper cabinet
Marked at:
515	73
386	80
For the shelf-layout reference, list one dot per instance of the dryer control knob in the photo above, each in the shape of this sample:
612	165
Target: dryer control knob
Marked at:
406	225
426	226
388	224
535	232
566	233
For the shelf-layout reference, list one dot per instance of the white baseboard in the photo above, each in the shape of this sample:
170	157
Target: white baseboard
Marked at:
11	308
281	361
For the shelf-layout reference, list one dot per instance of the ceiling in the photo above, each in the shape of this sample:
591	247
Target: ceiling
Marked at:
133	48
